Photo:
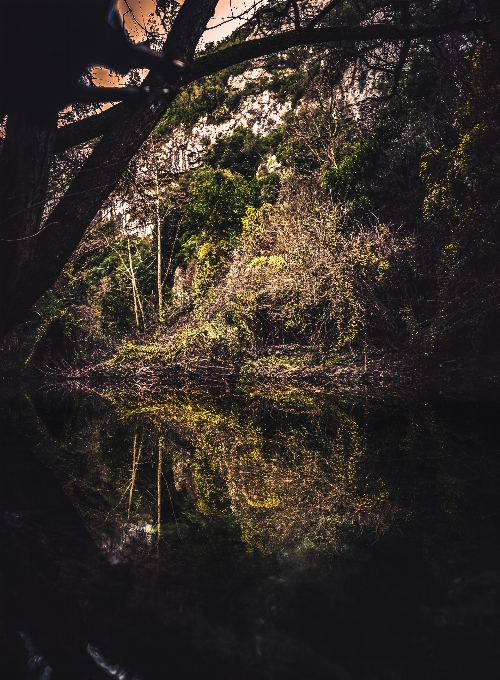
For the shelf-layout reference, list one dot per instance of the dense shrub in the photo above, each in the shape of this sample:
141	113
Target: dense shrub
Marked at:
294	277
463	184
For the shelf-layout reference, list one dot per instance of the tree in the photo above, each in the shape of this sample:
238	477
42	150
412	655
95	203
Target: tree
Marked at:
34	247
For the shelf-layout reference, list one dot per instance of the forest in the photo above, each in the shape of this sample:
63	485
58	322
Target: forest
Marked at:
306	214
249	339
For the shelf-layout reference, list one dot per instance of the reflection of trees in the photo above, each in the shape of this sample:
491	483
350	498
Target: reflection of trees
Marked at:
300	484
293	476
294	471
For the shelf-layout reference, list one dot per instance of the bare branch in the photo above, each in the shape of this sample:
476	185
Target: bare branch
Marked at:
403	55
324	12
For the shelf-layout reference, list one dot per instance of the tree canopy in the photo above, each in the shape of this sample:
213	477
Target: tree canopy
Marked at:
38	237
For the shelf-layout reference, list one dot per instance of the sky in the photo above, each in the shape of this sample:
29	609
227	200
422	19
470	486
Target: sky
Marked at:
223	11
144	8
218	27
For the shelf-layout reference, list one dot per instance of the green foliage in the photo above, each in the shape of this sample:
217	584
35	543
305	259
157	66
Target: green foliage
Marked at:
351	179
241	152
463	185
374	169
288	84
291	277
210	257
218	200
93	302
116	309
200	99
110	284
67	335
302	256
372	164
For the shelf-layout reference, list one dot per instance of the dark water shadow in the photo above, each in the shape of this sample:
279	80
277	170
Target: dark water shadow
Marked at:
271	536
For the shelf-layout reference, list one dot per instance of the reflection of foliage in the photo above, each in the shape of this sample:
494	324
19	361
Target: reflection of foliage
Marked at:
299	476
288	474
286	488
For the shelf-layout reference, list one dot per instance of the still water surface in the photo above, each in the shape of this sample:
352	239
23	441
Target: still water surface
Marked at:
276	535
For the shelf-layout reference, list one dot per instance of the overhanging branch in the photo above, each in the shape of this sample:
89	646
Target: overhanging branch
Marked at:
208	64
252	49
86	129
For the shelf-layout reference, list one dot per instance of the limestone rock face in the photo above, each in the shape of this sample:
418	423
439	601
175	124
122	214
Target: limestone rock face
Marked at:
251	103
258	108
261	112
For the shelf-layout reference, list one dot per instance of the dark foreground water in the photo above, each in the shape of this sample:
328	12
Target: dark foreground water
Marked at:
280	536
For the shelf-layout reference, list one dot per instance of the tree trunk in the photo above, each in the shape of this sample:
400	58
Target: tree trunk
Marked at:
24	174
159	281
31	258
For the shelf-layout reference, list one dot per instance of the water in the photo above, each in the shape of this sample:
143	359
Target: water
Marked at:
276	535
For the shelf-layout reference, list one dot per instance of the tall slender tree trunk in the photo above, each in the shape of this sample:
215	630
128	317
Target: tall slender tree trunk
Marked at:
135	291
159	280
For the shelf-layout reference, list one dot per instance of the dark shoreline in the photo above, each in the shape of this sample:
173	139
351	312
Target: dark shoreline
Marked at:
381	375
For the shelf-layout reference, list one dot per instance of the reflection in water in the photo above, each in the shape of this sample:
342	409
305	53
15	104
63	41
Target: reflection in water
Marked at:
298	481
272	536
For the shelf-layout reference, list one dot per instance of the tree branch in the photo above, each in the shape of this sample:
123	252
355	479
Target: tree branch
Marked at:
252	49
208	64
324	12
296	16
403	55
86	129
64	228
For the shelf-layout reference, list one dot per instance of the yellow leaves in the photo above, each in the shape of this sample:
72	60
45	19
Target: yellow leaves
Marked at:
249	298
69	272
467	143
254	218
276	262
429	161
204	251
249	456
258	261
266	502
382	267
452	249
476	59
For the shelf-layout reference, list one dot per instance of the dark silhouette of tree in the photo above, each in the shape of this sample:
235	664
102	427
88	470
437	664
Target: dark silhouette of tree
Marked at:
34	247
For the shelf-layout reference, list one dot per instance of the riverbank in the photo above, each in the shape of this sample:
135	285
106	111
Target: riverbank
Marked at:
377	374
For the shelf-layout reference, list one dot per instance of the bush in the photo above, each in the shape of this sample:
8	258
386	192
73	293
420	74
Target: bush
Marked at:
294	277
463	186
241	152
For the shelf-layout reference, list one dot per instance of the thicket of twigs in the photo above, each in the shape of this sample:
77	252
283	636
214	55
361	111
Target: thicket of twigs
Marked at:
296	278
